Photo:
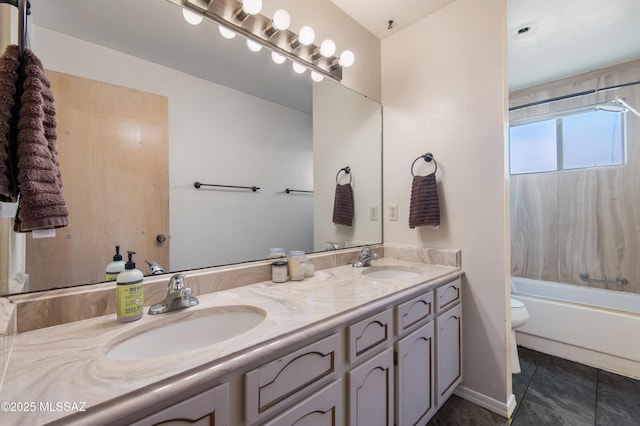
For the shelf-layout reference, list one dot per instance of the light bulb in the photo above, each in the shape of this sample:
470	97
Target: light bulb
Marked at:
299	68
191	17
316	76
254	46
226	32
252	7
281	20
306	35
278	58
327	48
347	58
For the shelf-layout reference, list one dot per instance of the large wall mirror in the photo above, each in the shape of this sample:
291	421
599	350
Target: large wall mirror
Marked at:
148	104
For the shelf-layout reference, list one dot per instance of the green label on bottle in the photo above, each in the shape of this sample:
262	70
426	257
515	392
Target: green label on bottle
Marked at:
130	299
112	276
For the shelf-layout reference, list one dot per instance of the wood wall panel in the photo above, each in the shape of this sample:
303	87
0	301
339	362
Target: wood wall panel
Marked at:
113	151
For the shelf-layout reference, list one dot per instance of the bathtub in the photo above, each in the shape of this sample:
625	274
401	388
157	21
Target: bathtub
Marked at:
588	325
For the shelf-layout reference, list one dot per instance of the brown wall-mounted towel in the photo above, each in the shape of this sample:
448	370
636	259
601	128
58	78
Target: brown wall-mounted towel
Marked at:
343	205
424	208
9	79
41	204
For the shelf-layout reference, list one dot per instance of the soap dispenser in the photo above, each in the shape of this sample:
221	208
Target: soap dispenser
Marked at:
115	267
129	292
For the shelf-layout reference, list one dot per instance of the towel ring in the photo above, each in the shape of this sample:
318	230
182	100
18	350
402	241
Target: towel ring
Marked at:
347	171
428	157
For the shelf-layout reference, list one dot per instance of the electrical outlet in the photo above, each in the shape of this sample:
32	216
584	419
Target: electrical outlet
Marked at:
373	213
393	213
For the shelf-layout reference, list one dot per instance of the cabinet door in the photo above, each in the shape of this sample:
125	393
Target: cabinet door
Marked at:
208	408
323	408
371	391
415	399
449	347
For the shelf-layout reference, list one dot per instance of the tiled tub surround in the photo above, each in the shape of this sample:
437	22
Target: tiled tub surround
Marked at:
67	362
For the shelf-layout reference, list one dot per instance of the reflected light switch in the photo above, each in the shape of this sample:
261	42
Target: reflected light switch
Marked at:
373	213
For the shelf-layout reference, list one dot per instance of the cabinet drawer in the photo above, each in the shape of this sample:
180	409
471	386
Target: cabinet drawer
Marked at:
322	408
414	311
369	334
448	295
207	408
271	386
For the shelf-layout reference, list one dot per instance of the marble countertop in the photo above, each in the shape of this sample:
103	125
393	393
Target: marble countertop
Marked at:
67	363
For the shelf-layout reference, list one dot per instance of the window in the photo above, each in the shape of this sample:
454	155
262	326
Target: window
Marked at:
580	139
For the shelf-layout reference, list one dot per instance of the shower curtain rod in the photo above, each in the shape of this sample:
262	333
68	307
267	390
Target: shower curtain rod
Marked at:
573	95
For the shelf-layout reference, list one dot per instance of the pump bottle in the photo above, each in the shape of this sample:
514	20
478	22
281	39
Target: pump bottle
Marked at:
115	267
129	292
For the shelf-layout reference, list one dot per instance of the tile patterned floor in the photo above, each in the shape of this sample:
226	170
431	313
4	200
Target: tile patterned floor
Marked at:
554	391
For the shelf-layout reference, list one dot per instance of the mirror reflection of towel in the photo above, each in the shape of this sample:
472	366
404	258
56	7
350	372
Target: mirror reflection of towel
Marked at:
424	208
343	205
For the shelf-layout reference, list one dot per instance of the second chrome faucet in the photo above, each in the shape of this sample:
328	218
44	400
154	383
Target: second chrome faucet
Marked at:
178	297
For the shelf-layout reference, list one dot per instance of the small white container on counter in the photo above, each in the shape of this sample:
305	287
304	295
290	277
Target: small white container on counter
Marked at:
296	261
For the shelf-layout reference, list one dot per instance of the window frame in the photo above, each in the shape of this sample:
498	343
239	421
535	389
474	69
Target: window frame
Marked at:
558	117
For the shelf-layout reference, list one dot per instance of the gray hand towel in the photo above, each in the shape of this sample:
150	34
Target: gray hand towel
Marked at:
343	205
424	208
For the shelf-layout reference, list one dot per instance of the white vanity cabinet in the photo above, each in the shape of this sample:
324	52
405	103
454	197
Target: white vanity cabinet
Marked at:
395	366
448	339
371	388
207	408
415	383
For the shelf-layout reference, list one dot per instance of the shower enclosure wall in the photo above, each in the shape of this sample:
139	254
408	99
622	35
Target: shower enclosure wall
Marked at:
580	226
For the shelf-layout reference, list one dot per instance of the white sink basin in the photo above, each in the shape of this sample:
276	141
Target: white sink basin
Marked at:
170	336
391	272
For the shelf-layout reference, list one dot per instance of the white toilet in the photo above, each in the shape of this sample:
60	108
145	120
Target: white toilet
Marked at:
519	316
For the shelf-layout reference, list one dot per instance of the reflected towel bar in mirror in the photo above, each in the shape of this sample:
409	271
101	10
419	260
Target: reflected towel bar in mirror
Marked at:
197	185
288	191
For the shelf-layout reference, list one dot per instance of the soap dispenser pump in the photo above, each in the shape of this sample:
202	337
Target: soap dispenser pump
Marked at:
130	292
115	267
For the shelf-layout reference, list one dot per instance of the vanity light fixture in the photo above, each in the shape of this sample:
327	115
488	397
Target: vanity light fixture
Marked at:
316	77
277	58
226	32
280	22
191	17
346	58
244	18
253	46
300	69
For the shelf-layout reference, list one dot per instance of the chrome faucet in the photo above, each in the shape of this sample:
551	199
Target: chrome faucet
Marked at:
154	268
333	245
366	257
178	297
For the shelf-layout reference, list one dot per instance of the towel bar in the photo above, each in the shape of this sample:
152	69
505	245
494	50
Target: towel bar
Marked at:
428	157
619	281
347	171
253	188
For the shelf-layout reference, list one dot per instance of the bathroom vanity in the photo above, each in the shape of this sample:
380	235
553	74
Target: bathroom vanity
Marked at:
358	346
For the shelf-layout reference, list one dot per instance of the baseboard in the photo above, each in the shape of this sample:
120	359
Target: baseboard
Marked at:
493	405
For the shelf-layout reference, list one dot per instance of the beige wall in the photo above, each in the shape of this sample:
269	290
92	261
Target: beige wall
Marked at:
580	221
444	91
329	21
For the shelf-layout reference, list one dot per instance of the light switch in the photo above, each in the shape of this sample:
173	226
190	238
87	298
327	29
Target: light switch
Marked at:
393	213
